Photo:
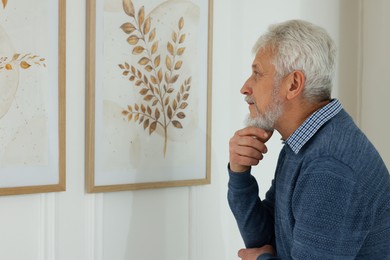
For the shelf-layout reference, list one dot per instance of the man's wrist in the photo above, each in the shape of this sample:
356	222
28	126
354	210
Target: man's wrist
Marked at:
235	168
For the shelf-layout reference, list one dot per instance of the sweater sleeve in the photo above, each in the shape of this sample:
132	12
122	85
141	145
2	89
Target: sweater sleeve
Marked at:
255	218
329	223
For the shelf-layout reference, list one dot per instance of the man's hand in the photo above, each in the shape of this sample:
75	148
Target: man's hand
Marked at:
253	253
246	148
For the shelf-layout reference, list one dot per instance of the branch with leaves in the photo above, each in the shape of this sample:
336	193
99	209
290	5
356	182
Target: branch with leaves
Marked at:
23	61
164	102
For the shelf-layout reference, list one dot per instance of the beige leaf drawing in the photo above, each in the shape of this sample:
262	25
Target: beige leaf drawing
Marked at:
181	23
156	91
143	61
183	105
180	51
152	127
174	37
154	47
152	35
153	79
128	7
24	65
146	79
170	48
143	91
147	26
133	40
148	97
182	38
157	114
168	63
178	65
181	115
174	79
159	75
129	117
146	123
141	16
16	56
148	68
138	49
128	28
157	61
189	82
169	112
177	124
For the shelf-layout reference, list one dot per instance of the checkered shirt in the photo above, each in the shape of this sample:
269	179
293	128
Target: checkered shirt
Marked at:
311	125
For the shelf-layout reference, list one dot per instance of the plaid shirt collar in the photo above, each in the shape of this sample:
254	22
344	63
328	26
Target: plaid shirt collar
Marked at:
311	125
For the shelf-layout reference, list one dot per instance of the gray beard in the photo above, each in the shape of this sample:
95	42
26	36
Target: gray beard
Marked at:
267	120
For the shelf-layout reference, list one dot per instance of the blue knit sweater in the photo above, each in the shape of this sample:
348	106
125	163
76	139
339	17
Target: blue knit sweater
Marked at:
331	200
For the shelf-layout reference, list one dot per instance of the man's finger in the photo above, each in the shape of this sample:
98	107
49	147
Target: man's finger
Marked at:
258	133
241	253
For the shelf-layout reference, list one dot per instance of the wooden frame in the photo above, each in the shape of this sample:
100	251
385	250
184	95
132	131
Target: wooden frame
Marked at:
32	156
148	152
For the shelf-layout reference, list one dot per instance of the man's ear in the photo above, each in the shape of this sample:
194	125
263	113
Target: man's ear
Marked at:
296	82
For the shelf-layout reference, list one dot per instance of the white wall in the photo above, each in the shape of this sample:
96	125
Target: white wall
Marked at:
182	223
375	68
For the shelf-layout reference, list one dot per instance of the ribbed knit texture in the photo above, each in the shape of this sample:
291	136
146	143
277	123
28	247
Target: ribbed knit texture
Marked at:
331	200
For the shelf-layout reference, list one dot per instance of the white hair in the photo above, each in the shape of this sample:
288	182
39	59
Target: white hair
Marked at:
303	46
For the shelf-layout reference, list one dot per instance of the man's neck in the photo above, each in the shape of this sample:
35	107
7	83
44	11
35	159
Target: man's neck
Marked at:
294	115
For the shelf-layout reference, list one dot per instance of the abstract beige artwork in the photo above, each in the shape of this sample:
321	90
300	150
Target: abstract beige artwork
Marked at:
149	117
29	97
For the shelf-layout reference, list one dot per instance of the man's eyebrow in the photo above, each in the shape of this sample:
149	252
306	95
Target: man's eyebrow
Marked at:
255	67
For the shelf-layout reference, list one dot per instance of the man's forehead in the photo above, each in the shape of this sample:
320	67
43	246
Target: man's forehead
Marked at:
262	58
264	53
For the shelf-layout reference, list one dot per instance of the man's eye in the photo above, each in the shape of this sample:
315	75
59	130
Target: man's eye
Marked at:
256	74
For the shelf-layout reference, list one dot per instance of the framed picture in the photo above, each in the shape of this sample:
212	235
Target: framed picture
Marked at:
32	96
148	94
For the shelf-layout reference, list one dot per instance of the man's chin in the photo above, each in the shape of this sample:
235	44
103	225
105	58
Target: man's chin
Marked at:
258	122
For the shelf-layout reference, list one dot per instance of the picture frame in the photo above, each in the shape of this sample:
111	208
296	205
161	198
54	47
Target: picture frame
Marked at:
148	98
32	103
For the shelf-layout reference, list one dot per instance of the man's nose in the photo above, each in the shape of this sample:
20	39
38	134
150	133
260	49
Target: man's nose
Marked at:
246	89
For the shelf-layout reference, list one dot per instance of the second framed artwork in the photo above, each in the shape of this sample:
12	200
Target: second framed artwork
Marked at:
148	94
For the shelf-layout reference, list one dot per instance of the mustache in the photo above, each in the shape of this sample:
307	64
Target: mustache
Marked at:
249	99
